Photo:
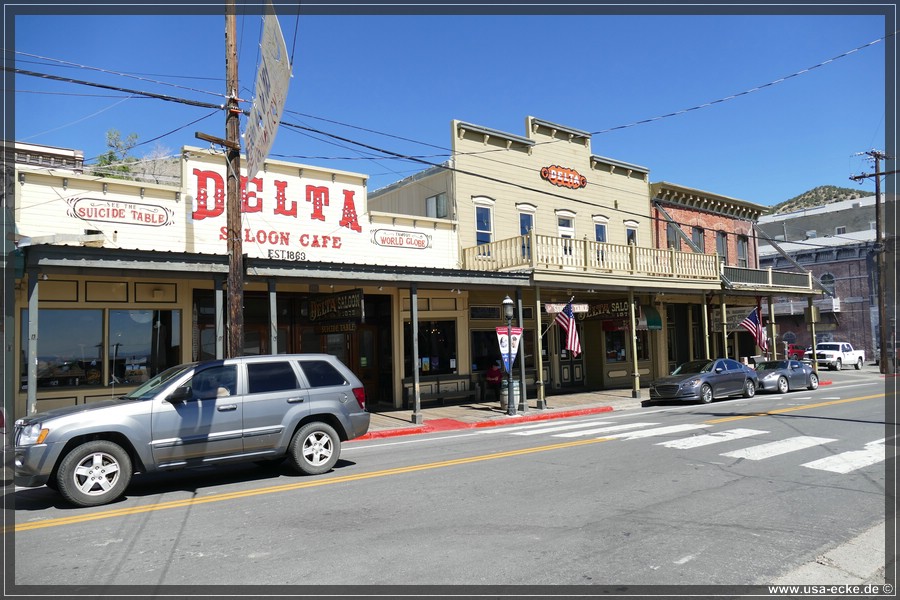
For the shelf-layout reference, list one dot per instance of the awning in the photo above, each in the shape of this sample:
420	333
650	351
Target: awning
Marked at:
649	318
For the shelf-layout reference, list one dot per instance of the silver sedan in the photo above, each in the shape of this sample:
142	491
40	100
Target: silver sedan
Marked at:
785	375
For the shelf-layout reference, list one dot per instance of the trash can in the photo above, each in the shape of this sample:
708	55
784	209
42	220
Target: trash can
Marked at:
504	393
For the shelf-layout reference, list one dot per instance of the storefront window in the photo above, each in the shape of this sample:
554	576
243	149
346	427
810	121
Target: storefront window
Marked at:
437	348
615	346
486	349
71	349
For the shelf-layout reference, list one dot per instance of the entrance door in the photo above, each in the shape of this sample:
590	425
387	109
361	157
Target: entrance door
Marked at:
366	363
569	369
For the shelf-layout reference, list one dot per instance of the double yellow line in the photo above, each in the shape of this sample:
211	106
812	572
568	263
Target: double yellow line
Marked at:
307	483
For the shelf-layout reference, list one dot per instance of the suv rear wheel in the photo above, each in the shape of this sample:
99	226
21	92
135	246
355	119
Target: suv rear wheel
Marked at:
315	448
94	473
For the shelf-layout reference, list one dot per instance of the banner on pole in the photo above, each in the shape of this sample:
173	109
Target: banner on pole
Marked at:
509	347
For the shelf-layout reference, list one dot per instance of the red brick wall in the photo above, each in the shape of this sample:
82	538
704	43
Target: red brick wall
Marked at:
711	223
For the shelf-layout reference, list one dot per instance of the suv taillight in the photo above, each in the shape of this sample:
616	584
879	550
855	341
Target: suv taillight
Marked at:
360	394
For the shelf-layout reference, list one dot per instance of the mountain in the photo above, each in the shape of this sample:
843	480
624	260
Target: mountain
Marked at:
824	194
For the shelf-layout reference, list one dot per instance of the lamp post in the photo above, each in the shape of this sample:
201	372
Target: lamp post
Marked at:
508	311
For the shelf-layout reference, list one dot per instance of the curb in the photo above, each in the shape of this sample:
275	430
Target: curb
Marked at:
437	425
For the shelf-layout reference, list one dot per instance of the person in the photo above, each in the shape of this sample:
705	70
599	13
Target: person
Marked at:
493	378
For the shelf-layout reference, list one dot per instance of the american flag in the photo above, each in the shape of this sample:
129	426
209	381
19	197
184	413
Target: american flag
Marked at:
753	324
566	320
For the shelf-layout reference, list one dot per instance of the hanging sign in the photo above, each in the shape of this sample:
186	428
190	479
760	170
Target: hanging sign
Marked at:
509	347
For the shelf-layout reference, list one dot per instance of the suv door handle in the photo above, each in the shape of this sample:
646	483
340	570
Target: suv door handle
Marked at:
225	407
294	400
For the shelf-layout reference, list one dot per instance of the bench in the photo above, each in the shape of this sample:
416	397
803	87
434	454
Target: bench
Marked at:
440	389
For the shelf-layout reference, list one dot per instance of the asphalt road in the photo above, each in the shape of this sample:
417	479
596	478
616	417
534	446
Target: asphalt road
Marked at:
735	493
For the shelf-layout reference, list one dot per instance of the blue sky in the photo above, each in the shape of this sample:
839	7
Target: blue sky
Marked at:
396	82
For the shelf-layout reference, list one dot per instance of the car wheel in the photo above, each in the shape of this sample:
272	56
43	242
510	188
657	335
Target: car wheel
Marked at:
859	364
838	365
783	387
706	395
94	473
813	381
315	449
749	389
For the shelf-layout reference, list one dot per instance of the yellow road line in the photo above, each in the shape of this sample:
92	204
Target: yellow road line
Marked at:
124	512
779	411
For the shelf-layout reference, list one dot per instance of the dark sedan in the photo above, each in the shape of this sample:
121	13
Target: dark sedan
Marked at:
786	375
705	381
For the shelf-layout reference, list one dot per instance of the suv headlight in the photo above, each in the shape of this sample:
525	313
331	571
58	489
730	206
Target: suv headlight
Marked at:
31	434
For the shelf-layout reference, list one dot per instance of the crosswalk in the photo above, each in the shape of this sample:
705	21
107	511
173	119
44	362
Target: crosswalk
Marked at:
846	462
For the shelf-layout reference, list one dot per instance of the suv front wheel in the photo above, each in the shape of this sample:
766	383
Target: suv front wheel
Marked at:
94	473
315	448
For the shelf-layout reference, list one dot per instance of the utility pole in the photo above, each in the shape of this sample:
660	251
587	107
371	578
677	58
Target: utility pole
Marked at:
885	366
235	345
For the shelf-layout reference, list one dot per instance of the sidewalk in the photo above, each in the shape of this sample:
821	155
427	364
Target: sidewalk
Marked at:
488	414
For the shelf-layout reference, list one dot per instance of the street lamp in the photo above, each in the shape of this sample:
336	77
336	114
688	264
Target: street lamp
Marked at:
508	312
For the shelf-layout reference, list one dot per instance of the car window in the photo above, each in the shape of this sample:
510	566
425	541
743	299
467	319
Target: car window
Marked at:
733	365
795	364
214	382
321	373
271	377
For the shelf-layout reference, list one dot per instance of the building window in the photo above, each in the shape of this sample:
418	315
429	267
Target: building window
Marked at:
600	232
437	347
672	238
698	238
73	351
840	230
436	206
743	250
810	233
485	350
631	232
827	280
566	227
722	246
483	227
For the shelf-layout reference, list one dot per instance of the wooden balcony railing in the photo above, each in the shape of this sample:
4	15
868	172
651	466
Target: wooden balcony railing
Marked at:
542	252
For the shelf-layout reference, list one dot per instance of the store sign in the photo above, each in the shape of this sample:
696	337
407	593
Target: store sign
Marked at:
563	177
393	238
341	306
112	211
557	308
614	309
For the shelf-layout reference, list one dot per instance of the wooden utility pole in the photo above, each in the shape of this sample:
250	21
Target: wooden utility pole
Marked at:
235	325
885	364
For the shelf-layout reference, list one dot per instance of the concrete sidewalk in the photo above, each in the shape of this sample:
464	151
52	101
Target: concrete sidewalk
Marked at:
489	414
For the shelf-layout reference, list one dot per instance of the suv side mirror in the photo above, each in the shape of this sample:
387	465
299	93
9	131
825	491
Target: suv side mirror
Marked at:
179	395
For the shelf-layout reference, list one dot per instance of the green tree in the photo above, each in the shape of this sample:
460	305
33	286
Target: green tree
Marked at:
115	162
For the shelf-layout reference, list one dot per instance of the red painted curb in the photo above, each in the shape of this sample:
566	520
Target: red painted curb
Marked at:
827	382
436	425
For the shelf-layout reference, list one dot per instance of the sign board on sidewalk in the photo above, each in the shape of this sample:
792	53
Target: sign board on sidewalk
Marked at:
272	82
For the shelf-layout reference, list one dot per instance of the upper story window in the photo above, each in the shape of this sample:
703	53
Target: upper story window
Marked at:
811	233
698	238
565	221
840	230
484	220
436	206
672	238
631	232
600	232
526	217
722	246
827	280
743	251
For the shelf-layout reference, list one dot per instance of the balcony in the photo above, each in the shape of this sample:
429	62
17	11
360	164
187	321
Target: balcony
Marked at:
559	259
766	280
550	256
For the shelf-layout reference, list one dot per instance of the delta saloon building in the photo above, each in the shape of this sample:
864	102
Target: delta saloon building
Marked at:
116	280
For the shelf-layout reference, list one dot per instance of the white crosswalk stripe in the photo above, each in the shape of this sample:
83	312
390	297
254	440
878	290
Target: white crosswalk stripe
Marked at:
777	448
711	438
633	435
845	462
604	430
553	428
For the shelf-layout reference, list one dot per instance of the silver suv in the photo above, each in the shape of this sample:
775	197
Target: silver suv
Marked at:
258	408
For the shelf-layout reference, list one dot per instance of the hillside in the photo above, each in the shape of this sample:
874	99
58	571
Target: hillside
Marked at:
824	194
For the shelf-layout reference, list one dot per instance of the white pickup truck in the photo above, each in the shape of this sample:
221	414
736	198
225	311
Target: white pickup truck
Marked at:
835	355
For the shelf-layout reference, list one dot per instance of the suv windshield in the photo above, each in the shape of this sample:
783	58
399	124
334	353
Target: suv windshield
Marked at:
148	389
694	366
